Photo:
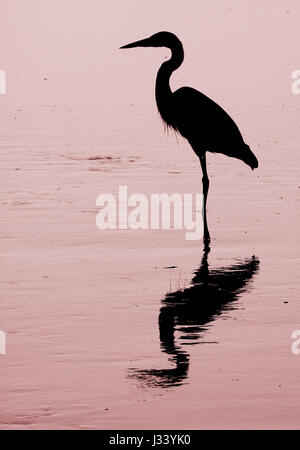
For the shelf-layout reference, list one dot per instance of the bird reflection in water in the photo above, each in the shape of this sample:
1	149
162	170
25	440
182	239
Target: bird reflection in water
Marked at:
188	312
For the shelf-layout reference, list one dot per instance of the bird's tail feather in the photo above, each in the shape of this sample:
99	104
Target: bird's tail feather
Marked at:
249	158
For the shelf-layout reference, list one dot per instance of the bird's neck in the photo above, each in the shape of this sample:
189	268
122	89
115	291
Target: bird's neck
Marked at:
162	88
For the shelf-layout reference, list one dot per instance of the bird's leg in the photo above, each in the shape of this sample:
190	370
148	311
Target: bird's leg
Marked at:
205	185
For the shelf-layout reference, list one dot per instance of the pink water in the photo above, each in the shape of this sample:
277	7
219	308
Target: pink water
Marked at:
80	306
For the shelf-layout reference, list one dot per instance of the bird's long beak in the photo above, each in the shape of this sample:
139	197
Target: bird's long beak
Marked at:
142	43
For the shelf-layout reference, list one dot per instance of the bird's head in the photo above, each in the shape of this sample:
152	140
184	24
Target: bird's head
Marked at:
161	39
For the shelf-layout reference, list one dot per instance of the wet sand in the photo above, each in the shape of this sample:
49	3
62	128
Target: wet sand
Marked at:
81	307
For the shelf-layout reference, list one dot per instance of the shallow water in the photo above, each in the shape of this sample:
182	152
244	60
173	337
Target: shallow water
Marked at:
141	329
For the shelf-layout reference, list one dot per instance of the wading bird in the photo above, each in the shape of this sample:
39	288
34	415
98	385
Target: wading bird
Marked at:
205	125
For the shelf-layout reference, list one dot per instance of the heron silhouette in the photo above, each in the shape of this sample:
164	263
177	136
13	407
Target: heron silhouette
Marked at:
200	120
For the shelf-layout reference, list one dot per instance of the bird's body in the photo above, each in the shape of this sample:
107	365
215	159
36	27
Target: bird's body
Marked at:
209	128
200	120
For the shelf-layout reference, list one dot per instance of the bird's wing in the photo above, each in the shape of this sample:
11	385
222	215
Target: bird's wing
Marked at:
198	117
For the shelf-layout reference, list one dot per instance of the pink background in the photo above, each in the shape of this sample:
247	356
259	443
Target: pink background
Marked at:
80	306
